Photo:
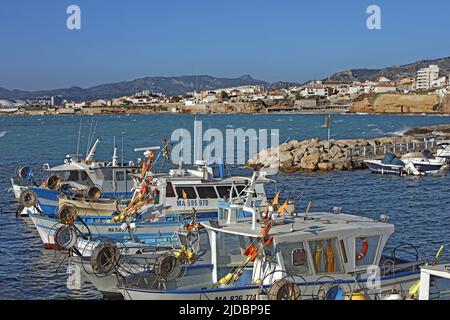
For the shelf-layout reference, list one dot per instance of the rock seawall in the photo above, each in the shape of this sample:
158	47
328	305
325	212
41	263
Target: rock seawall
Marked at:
316	155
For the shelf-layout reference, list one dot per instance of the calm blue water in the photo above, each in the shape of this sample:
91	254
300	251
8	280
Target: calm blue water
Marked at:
419	207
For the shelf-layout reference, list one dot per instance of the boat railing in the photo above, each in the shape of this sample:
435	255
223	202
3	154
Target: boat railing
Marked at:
378	151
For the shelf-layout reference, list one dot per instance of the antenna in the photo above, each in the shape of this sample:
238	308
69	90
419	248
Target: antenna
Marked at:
114	157
89	139
307	209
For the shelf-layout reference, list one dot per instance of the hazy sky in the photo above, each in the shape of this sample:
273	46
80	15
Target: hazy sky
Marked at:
291	40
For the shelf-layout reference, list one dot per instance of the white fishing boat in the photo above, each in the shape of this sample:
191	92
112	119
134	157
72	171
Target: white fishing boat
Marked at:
76	176
103	263
159	205
262	255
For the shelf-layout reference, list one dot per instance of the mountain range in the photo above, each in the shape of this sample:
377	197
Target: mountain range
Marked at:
180	85
167	85
395	72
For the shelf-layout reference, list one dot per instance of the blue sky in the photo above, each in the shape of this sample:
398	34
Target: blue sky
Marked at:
290	40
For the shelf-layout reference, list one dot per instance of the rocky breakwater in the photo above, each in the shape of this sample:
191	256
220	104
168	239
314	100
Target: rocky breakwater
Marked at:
316	155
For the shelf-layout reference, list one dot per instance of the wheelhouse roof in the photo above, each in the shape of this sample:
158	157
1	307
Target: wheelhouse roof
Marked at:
317	225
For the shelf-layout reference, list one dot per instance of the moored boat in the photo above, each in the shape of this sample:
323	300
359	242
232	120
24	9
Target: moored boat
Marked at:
409	164
271	255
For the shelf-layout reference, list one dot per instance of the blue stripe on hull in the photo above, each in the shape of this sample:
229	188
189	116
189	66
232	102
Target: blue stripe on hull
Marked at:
427	167
386	169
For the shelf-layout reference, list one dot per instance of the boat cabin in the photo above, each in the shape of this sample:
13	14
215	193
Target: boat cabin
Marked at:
320	244
203	188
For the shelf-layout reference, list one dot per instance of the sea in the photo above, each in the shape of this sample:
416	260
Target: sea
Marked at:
419	207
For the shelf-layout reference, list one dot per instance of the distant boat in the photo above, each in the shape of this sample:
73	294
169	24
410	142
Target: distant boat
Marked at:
410	164
7	109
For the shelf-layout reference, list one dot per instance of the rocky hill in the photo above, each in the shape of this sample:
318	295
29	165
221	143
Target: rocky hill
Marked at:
167	85
395	72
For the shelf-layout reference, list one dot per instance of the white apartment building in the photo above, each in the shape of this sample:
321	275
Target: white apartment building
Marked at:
428	78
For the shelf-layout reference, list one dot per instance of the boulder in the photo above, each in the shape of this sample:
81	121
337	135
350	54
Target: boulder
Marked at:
325	166
342	166
295	144
286	160
335	150
298	153
310	161
286	147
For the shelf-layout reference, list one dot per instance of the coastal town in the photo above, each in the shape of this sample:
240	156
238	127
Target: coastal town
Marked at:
427	92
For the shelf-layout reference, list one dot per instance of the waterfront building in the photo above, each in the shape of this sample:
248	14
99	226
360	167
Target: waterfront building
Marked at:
428	78
385	88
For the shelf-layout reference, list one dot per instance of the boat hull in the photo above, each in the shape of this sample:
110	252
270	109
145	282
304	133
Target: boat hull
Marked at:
308	289
378	167
155	233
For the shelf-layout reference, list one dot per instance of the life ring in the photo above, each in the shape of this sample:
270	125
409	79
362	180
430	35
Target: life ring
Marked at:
284	290
363	252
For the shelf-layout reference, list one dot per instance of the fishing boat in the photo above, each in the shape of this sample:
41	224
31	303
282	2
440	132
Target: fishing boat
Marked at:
75	177
103	262
271	255
410	164
159	204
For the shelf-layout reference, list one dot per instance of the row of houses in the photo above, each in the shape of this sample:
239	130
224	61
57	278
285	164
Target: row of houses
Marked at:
427	79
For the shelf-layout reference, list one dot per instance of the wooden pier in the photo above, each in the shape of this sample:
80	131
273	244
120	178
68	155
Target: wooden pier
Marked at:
377	152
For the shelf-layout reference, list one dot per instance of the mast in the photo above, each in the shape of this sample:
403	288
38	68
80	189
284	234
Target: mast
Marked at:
114	157
91	153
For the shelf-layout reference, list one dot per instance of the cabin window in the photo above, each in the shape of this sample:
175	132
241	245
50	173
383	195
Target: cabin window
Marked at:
129	177
299	258
294	257
188	191
239	189
84	176
120	176
73	176
231	247
156	196
366	250
170	193
326	256
224	191
207	192
344	252
107	174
